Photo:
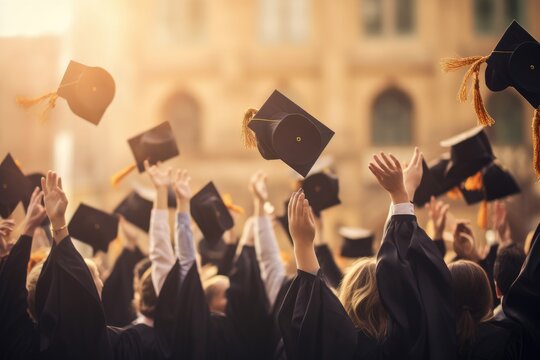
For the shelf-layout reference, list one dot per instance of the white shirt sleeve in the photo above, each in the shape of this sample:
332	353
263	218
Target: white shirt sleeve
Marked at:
402	209
161	250
183	238
266	247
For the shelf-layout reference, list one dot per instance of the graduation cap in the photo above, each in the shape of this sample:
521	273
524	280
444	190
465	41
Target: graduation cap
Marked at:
210	213
283	130
155	145
495	183
135	209
515	62
93	227
14	186
357	243
470	151
87	90
322	190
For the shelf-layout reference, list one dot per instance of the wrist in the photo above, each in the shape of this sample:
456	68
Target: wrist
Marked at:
182	206
28	230
399	196
161	198
58	223
258	206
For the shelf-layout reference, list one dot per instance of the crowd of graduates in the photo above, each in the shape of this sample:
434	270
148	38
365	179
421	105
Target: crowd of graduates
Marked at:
196	290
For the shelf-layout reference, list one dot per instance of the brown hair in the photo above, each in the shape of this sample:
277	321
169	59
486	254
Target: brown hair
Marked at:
31	281
473	299
145	295
359	296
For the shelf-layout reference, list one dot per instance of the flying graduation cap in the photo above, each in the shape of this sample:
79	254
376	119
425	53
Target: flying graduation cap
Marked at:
283	130
155	145
87	90
210	213
494	183
14	186
136	210
515	62
322	191
93	227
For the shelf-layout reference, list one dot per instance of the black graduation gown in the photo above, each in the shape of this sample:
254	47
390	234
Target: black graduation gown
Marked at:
493	341
328	265
414	287
244	333
522	303
117	296
19	336
226	263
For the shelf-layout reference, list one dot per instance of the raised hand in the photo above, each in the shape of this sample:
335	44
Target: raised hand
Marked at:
412	175
464	242
389	174
35	213
437	213
6	227
182	190
160	177
258	187
55	199
302	229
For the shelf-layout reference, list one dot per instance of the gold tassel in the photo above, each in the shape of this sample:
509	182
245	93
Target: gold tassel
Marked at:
454	194
475	62
248	137
19	165
482	218
120	175
228	201
536	142
483	117
27	103
474	182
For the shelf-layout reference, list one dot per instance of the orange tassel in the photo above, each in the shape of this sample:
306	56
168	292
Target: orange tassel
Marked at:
475	62
536	142
474	182
228	201
120	175
51	103
454	194
248	137
482	218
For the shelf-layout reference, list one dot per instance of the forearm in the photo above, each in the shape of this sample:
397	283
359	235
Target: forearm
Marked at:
306	259
161	251
272	268
185	248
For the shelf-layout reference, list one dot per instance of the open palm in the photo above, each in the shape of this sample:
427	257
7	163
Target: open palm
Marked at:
54	197
160	177
181	186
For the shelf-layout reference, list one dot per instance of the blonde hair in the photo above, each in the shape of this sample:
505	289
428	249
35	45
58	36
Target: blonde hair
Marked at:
31	281
359	296
211	286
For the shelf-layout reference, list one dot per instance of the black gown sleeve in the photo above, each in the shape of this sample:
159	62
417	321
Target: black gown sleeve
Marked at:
521	304
439	243
117	294
226	263
313	323
20	339
248	308
415	288
328	266
71	322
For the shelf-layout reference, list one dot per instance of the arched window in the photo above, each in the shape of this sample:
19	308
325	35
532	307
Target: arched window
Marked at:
388	17
507	110
183	113
285	21
391	119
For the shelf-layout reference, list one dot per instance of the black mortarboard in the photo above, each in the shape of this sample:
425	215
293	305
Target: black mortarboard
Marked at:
210	213
515	62
87	90
155	145
135	209
357	243
435	180
93	227
470	151
285	131
497	183
14	186
322	190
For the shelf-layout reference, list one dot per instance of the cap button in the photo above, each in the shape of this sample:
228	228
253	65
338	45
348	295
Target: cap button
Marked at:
317	188
298	139
532	67
4	186
94	88
96	226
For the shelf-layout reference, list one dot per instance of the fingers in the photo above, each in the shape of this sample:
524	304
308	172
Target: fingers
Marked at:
397	165
388	162
299	204
291	205
375	170
382	165
59	183
44	185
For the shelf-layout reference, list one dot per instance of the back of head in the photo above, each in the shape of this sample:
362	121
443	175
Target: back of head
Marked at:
359	296
507	267
31	281
473	299
145	295
215	289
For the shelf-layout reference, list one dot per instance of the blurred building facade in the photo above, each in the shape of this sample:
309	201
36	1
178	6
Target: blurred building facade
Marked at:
369	69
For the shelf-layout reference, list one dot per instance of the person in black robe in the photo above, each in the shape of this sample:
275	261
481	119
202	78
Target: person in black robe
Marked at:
412	281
